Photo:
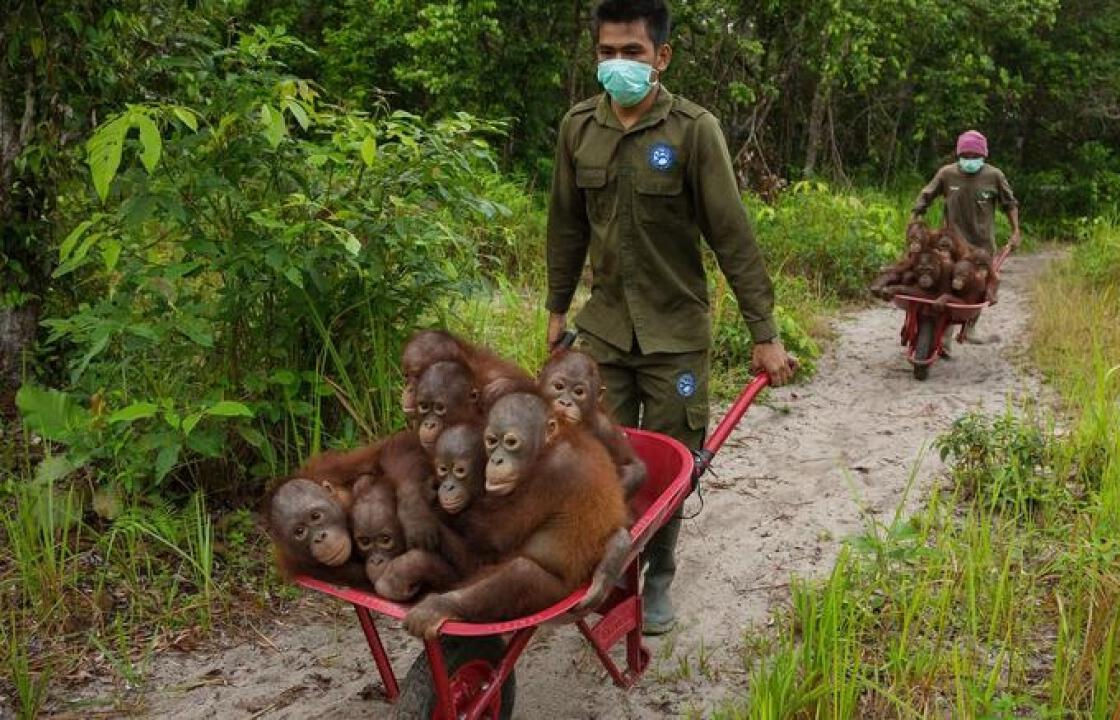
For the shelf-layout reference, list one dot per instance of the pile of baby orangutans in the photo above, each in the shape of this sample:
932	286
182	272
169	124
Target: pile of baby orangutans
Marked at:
503	496
940	266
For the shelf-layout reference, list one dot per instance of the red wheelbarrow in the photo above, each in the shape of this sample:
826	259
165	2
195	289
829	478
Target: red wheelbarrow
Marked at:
468	671
924	328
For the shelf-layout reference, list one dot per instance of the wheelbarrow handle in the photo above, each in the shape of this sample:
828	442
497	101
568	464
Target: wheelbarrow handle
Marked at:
703	456
565	342
997	263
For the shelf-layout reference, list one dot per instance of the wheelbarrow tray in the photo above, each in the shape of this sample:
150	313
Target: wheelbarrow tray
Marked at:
669	465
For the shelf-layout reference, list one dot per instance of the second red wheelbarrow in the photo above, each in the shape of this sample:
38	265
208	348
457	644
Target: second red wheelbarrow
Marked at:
923	330
468	672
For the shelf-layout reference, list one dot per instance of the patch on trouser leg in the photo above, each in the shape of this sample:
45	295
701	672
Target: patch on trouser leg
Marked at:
686	384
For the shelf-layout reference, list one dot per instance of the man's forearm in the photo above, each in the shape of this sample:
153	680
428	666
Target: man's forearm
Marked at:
1013	217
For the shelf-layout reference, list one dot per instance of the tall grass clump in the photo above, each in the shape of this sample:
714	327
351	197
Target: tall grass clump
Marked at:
78	589
1001	598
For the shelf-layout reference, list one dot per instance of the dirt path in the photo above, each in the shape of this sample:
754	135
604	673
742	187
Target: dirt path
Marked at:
798	476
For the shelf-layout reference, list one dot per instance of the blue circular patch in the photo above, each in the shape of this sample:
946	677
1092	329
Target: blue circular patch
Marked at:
662	157
686	384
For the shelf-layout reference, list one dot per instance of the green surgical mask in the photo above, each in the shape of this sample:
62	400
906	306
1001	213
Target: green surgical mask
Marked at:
627	81
970	166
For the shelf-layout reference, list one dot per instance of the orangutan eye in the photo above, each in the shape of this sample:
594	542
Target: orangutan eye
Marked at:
300	532
441	470
316	516
558	386
384	542
491	441
580	392
363	542
511	442
440	409
460	471
424	407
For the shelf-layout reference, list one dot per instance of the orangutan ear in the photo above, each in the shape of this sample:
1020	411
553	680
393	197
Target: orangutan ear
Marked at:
552	431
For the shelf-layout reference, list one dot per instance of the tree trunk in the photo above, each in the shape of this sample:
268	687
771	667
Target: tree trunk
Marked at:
816	127
17	333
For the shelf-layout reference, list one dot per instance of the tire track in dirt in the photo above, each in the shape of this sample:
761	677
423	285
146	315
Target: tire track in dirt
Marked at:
799	474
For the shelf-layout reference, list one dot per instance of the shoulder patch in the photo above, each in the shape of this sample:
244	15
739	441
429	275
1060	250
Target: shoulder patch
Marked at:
687	108
587	105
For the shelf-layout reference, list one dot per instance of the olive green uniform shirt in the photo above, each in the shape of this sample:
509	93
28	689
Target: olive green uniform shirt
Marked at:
637	201
970	201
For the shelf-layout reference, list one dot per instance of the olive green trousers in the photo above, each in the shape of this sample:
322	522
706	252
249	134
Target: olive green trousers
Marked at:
661	392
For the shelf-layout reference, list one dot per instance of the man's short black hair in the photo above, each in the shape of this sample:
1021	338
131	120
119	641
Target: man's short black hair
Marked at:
655	14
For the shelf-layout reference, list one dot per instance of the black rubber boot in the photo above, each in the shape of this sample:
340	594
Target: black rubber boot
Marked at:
658	615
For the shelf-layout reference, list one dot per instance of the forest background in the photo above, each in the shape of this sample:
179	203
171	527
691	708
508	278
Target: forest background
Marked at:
220	218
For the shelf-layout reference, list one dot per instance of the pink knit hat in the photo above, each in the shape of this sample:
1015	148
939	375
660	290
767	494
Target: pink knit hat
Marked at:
972	142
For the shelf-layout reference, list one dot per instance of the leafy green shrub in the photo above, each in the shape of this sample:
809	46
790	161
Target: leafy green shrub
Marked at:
263	253
796	314
837	241
1097	258
1007	462
1085	184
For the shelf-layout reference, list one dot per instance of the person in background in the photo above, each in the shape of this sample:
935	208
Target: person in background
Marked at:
972	188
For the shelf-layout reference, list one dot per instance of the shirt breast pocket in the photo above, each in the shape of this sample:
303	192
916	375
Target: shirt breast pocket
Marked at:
661	198
599	202
985	196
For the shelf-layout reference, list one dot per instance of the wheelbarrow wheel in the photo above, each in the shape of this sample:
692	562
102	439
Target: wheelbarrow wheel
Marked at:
469	664
923	348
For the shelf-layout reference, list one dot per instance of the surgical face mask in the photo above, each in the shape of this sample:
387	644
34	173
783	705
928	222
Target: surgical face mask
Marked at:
970	166
626	81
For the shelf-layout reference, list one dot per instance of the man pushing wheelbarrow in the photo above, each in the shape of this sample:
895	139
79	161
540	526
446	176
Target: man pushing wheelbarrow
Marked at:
972	188
949	275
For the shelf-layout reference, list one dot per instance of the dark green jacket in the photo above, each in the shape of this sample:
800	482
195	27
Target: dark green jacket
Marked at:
638	201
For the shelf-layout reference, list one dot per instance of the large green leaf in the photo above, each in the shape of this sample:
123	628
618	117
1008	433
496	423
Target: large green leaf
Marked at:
103	153
53	414
135	411
150	141
274	127
229	408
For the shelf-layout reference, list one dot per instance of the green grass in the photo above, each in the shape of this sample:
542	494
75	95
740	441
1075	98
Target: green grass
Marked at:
1001	598
75	586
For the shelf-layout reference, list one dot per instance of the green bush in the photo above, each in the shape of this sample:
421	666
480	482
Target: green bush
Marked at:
837	241
262	254
1007	462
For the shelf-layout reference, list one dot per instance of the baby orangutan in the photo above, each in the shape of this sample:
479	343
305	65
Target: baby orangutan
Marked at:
552	505
570	380
396	573
459	461
901	273
928	276
310	534
445	396
964	288
492	376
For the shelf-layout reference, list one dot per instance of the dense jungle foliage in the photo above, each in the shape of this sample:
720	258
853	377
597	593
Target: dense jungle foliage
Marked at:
226	213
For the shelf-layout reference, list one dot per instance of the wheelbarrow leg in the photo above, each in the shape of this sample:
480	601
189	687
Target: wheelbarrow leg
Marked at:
623	618
445	703
380	657
637	657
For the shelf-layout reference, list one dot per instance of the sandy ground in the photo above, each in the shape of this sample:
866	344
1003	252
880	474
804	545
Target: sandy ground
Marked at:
802	472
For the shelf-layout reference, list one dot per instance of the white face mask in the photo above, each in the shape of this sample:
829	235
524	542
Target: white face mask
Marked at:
971	166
